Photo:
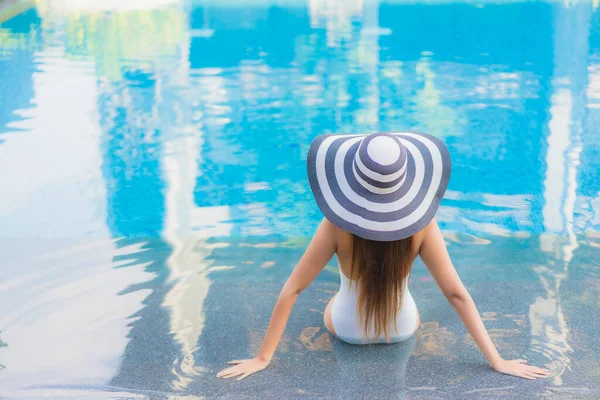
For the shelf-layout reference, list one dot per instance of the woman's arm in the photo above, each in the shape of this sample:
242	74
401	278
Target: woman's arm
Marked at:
434	254
319	252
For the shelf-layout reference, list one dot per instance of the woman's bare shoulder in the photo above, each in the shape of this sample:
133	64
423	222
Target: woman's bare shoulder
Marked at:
342	237
331	227
419	237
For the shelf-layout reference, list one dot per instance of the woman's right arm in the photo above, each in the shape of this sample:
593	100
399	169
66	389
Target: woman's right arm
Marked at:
320	250
434	254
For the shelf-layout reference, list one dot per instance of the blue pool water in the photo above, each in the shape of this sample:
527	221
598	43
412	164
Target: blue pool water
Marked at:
154	198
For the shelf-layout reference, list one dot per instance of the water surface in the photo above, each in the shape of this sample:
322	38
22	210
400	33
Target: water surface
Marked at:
154	195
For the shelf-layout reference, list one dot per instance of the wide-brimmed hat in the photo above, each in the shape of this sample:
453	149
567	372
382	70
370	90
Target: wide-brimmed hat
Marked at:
382	186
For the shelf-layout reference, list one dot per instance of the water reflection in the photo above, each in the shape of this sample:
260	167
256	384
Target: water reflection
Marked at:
188	263
51	313
94	31
548	323
174	136
338	18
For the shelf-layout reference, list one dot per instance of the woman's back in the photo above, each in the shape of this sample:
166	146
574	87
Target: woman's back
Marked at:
342	316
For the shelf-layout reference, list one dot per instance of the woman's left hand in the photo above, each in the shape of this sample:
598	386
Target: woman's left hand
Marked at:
520	368
243	368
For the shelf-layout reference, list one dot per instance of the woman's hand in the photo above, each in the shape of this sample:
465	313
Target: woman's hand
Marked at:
244	368
520	369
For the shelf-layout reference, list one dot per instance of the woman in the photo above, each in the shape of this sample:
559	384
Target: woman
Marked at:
379	194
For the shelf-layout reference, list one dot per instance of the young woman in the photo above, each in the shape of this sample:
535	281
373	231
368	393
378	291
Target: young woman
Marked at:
379	194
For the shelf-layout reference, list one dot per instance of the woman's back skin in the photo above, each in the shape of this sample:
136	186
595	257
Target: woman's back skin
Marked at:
429	245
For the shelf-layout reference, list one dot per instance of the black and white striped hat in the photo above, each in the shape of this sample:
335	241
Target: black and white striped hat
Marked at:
382	186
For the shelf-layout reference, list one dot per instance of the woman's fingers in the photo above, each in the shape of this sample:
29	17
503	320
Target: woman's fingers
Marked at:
540	374
520	369
540	370
523	372
227	371
243	368
524	375
245	375
537	372
233	374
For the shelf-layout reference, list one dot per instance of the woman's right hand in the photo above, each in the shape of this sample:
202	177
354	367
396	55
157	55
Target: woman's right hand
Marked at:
243	368
520	368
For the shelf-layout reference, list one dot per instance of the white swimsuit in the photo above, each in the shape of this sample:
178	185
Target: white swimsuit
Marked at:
348	327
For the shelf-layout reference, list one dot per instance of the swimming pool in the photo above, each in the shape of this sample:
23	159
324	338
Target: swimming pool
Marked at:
154	193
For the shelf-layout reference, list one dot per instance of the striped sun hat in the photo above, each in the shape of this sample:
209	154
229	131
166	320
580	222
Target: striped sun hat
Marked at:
382	186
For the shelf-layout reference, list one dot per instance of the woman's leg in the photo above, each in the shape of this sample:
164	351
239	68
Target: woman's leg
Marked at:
327	317
418	319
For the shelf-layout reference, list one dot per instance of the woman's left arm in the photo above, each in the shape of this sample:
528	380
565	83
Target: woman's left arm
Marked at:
434	254
320	250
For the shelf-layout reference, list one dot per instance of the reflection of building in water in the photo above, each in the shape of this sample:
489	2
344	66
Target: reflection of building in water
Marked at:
548	325
186	229
67	303
18	37
130	116
365	57
588	199
95	30
187	265
430	113
138	110
337	17
589	177
152	140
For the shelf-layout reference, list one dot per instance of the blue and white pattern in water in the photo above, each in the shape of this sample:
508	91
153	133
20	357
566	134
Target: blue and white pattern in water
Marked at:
154	195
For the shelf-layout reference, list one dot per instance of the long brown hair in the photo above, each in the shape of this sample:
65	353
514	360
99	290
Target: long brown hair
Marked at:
382	268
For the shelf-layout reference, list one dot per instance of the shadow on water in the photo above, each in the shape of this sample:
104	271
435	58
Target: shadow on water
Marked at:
149	352
167	202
